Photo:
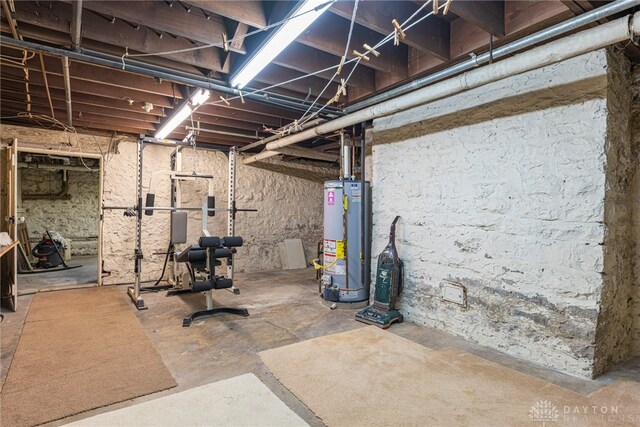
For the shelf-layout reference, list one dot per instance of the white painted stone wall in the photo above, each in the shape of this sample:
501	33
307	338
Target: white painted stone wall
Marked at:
288	206
501	189
76	218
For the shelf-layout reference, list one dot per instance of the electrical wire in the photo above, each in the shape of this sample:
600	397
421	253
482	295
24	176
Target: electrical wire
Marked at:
384	40
265	90
164	267
346	50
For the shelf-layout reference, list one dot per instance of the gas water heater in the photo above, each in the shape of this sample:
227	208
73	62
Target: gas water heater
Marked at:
345	278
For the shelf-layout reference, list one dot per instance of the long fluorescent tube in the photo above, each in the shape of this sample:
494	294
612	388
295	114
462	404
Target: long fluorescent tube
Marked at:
286	33
174	121
196	100
200	97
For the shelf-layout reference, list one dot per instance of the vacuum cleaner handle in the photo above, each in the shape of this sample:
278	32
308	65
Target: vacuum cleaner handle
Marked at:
392	233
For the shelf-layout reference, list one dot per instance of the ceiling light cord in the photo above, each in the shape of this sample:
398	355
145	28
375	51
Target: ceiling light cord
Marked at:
386	39
356	59
346	50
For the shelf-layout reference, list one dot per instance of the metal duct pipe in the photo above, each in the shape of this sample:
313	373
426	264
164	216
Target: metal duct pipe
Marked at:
76	25
345	146
308	154
145	69
67	89
500	52
220	132
263	141
552	52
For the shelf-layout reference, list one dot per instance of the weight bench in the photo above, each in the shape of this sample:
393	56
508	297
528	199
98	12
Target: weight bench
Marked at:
201	261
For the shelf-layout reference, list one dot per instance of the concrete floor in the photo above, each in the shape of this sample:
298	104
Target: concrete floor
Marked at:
284	308
87	274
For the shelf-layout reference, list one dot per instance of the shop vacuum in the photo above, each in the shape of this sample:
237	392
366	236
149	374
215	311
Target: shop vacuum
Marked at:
389	282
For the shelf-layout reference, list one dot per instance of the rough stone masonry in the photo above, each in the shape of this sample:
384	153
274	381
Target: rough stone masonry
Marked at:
76	217
514	190
288	206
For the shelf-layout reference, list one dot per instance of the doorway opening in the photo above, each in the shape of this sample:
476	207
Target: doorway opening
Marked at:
58	211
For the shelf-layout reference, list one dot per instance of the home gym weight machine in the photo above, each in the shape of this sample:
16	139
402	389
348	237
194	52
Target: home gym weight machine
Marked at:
178	212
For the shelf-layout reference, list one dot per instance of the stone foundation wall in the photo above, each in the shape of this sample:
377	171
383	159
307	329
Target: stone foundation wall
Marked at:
635	211
613	333
501	189
289	201
76	218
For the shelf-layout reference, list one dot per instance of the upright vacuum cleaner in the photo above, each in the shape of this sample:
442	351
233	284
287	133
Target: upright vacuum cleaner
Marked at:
382	313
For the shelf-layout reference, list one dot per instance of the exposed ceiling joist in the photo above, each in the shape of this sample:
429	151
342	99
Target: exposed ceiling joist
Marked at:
488	15
430	35
119	33
248	12
159	16
308	60
62	39
97	90
330	33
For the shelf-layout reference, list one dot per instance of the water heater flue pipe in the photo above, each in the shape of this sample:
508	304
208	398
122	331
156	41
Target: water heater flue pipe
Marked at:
550	53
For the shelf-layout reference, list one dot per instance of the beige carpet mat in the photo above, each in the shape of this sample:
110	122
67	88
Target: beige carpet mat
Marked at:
235	402
79	350
370	377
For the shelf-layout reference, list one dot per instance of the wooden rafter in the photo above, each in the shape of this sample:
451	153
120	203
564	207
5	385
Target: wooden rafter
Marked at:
430	35
118	33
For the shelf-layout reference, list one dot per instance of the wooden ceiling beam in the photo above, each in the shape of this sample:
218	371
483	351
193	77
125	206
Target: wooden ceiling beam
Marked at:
56	38
80	98
243	115
119	127
84	108
160	16
488	15
248	12
521	18
119	33
312	86
81	125
231	124
329	33
87	119
430	35
308	60
79	86
117	108
528	17
106	76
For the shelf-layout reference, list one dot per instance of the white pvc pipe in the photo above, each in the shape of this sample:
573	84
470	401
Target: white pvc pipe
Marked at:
550	53
67	89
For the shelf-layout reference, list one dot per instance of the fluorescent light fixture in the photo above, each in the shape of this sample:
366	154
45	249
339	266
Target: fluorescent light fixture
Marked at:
177	118
303	16
196	100
200	97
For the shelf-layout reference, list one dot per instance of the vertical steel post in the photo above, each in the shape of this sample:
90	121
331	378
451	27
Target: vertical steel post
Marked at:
231	201
365	256
134	293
